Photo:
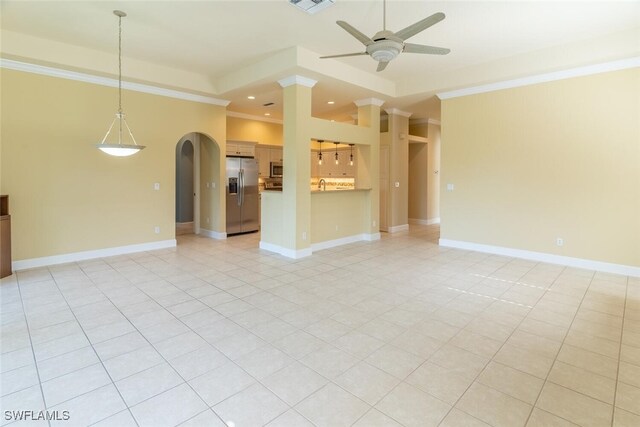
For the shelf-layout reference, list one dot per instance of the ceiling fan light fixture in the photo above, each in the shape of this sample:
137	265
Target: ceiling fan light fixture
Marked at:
384	50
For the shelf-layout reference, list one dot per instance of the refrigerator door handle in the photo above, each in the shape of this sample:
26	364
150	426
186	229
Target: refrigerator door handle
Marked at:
240	188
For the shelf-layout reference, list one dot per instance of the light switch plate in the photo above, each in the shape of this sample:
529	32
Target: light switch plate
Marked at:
156	185
450	187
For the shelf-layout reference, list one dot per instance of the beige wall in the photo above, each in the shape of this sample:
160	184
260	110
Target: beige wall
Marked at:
67	196
398	170
253	130
558	159
433	172
329	223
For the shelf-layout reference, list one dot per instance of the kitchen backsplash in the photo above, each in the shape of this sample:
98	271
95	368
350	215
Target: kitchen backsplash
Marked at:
335	182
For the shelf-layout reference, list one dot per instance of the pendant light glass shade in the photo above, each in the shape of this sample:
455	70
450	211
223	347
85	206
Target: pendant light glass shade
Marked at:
351	155
320	141
336	155
119	149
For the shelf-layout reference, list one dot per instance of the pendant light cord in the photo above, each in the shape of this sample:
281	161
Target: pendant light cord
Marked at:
120	77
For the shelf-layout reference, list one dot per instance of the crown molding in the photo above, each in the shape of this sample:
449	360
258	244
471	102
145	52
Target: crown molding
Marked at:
106	81
297	80
369	101
605	67
398	112
252	117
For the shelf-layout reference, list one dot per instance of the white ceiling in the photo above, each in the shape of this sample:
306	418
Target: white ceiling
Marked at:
236	46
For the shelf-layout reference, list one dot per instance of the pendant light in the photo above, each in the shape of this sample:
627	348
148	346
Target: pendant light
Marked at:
336	156
351	155
119	149
320	141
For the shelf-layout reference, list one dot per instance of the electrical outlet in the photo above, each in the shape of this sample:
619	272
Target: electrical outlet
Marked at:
304	235
336	228
207	185
559	241
450	187
156	229
213	185
207	220
374	224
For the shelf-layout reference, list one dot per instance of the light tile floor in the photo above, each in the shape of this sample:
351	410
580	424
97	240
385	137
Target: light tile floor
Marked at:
398	332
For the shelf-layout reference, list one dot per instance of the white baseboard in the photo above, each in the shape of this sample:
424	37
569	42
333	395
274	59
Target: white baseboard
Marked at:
627	270
289	253
327	244
85	255
397	228
371	237
424	221
213	234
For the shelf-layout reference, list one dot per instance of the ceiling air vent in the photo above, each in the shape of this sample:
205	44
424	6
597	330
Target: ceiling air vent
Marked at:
311	6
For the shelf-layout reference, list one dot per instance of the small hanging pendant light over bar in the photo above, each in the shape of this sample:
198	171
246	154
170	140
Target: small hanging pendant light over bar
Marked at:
119	149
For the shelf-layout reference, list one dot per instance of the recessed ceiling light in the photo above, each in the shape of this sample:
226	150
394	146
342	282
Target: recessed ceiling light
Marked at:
267	114
330	102
251	97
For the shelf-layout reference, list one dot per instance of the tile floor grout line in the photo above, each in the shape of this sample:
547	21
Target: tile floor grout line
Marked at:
555	359
95	352
33	354
449	263
160	354
230	360
491	358
615	390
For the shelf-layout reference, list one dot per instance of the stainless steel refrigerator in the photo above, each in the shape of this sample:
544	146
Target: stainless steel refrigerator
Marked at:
242	195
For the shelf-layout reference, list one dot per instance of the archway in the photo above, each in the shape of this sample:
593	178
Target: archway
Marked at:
185	185
199	206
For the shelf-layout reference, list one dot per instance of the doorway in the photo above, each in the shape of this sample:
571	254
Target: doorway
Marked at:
418	183
185	184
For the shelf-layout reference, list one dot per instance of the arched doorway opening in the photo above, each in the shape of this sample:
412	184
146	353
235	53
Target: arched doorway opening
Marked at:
185	186
199	207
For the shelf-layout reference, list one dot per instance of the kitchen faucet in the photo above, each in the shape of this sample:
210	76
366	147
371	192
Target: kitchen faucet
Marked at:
322	184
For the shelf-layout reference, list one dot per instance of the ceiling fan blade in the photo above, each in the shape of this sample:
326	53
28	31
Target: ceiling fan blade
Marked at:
355	33
421	48
343	55
414	29
382	65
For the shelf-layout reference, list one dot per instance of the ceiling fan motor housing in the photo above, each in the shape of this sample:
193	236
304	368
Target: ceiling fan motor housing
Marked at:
385	50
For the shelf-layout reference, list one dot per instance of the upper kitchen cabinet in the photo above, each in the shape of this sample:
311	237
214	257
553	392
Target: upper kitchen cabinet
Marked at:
263	156
241	148
267	154
276	154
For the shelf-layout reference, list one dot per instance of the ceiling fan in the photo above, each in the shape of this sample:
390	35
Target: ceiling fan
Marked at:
386	45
